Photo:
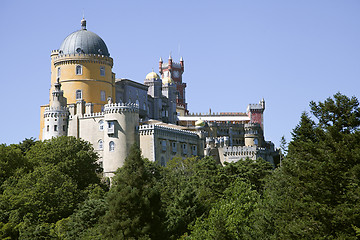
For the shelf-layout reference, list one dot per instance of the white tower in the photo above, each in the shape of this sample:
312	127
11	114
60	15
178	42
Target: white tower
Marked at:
122	120
56	115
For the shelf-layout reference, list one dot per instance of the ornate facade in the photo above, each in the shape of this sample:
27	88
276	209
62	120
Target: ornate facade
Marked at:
87	101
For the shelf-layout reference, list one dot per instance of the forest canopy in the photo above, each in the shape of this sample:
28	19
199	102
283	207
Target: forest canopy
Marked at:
54	189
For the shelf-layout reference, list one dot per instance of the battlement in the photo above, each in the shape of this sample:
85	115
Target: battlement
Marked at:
251	125
92	115
70	58
151	129
218	114
254	106
121	107
55	112
55	109
174	64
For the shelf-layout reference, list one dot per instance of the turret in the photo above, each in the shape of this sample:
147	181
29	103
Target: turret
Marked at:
256	111
253	135
182	64
56	115
154	83
160	66
121	122
170	62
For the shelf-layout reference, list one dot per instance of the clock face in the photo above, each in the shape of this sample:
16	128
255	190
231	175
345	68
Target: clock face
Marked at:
176	74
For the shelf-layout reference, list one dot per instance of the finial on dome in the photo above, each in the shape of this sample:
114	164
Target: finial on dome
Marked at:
83	24
170	56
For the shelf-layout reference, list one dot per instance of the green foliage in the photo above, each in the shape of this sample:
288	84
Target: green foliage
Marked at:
42	183
134	202
231	216
12	162
255	172
316	192
74	157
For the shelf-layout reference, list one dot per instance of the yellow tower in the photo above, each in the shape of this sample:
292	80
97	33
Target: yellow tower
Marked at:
84	68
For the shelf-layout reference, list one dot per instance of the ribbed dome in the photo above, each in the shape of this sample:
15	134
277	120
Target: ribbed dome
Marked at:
84	41
167	80
152	75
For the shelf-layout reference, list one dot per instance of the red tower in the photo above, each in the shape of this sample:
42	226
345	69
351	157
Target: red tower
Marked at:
175	71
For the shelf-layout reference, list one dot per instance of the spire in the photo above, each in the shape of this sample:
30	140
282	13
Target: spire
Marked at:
160	60
181	59
170	56
83	24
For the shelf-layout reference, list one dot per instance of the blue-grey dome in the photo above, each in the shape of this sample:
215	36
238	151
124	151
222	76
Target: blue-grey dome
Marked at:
84	41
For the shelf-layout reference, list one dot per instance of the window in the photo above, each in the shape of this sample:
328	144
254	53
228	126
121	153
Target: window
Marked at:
78	94
173	147
100	144
194	150
78	70
111	127
111	146
64	128
102	71
163	145
101	125
137	102
59	72
102	95
55	128
184	148
47	127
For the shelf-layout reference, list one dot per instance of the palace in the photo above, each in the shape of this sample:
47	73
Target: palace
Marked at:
88	102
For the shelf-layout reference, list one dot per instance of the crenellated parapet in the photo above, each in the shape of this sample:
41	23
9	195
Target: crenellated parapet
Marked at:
165	131
64	59
241	151
93	115
121	107
55	112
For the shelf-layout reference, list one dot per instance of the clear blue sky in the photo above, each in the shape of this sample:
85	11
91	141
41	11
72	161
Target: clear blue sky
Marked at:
236	52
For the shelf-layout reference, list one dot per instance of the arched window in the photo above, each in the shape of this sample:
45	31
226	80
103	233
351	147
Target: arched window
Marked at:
102	95
101	125
100	143
78	94
137	102
111	146
58	71
102	71
78	70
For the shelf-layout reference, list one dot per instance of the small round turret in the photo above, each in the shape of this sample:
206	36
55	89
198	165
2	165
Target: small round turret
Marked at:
152	75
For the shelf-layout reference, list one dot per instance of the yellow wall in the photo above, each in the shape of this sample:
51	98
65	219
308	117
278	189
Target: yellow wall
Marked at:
90	82
42	124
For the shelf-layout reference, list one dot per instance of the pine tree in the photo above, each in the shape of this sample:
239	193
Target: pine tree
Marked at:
134	202
316	192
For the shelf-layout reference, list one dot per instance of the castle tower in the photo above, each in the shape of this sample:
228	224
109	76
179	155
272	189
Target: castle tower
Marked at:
176	70
253	135
169	90
121	122
84	68
56	115
256	113
154	82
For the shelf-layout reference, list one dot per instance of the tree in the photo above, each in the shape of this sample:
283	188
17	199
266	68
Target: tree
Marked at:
316	192
43	183
74	157
231	217
134	202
